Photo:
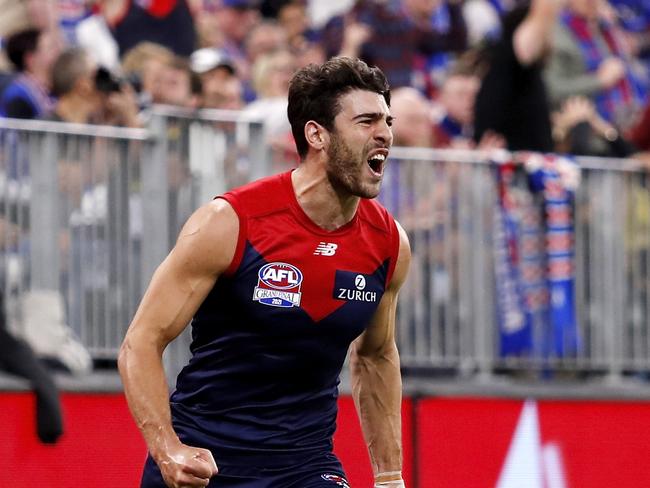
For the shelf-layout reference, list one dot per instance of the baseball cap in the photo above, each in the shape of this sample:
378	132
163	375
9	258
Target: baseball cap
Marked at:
209	58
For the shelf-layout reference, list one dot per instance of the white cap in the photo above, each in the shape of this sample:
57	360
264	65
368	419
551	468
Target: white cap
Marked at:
209	58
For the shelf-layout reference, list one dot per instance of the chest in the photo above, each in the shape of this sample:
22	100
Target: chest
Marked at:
288	272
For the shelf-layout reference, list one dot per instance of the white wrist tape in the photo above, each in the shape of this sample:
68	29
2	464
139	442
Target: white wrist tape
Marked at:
390	484
389	479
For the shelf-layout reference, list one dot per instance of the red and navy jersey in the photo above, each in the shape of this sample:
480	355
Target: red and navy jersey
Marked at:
270	339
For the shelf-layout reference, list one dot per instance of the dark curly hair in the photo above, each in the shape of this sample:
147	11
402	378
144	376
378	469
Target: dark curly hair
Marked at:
315	92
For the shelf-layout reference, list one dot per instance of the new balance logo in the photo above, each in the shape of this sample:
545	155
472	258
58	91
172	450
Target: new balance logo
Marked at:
325	249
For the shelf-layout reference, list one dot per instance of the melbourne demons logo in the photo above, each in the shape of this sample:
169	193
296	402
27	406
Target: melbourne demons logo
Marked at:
278	285
340	481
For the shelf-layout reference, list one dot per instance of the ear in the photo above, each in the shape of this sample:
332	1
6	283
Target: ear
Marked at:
316	135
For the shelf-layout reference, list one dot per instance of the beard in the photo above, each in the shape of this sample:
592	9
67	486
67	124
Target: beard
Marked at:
345	169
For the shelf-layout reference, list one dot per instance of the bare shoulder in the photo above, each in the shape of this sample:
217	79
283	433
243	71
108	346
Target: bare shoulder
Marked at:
209	237
403	260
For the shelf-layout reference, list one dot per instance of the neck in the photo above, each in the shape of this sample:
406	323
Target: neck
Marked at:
40	77
74	109
327	206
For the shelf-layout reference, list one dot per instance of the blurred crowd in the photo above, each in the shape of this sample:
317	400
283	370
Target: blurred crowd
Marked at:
569	76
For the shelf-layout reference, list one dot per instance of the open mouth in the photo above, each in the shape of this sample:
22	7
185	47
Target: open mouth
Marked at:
376	163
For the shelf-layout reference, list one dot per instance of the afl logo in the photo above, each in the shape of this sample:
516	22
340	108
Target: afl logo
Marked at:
278	285
281	276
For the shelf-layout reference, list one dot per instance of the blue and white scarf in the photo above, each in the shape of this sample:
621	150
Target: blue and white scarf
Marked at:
533	258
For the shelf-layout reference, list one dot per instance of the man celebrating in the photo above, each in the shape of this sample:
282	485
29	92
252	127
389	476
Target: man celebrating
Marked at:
279	277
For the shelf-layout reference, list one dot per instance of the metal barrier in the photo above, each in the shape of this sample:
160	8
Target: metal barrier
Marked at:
207	152
88	213
613	258
446	201
72	233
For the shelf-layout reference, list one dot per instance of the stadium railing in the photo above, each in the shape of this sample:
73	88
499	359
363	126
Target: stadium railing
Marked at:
88	212
448	318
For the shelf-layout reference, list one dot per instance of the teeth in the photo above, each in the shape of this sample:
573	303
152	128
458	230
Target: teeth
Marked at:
379	157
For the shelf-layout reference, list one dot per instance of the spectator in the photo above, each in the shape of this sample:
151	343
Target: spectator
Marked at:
271	75
32	52
412	124
206	22
119	101
144	65
17	357
634	16
431	69
512	100
266	37
579	129
70	14
166	22
176	84
395	37
309	53
293	18
20	15
94	35
589	59
73	83
5	80
88	94
220	86
455	127
236	19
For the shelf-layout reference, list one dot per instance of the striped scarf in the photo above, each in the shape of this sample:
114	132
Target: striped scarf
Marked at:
514	314
556	179
533	257
629	92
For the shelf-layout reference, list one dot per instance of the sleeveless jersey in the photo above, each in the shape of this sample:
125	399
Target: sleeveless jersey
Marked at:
270	339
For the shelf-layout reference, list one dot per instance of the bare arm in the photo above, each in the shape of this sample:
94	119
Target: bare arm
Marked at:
204	249
532	37
377	383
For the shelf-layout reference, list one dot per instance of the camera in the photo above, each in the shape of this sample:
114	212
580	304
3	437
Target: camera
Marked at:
107	82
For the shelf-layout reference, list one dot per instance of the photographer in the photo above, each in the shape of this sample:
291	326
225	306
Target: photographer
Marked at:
90	95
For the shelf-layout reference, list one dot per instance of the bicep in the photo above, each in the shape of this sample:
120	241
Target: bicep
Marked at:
204	249
380	333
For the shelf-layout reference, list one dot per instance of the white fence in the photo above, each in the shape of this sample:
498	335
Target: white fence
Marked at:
448	321
87	213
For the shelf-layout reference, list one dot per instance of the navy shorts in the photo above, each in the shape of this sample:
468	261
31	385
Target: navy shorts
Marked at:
323	471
